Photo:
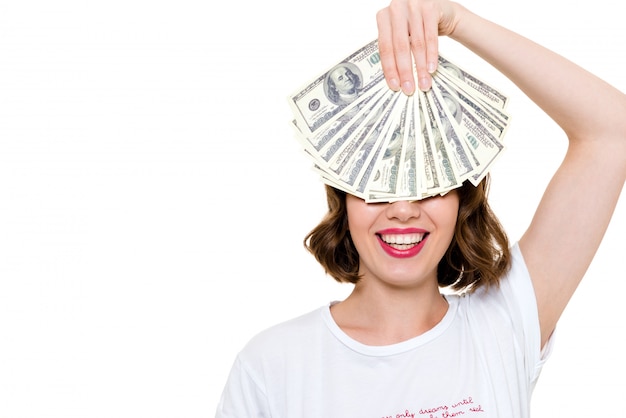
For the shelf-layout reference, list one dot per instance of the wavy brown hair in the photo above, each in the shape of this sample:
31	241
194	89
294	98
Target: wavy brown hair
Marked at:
478	254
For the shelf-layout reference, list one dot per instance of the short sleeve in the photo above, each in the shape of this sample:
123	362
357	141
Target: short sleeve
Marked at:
242	396
519	294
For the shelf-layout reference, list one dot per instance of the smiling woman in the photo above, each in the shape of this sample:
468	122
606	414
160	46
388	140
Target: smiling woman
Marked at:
445	314
153	203
478	248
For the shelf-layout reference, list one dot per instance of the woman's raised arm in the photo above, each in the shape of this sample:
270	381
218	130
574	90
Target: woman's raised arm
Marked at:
579	201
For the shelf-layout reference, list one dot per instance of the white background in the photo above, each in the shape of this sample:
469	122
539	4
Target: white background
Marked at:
153	198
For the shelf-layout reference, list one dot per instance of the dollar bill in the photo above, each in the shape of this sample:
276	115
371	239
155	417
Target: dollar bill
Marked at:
493	119
358	164
479	88
408	184
337	90
386	169
384	146
481	141
370	127
327	134
447	178
460	156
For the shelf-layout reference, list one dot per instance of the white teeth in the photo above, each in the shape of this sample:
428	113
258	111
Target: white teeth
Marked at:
402	239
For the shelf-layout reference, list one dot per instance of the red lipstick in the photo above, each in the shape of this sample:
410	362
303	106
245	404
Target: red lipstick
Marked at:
395	243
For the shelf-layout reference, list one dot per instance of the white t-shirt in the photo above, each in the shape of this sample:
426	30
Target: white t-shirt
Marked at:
483	359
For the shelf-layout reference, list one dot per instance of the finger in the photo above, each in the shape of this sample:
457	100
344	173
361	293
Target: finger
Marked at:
385	49
425	50
402	46
431	33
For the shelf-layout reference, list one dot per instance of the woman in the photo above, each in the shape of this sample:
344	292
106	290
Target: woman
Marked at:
396	346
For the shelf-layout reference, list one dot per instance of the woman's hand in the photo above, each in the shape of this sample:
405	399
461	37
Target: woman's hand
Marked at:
412	27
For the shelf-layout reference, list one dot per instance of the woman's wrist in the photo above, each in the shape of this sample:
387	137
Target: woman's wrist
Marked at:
464	23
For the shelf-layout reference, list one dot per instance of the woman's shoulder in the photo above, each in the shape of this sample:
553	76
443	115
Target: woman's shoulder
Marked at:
516	278
511	302
513	292
286	335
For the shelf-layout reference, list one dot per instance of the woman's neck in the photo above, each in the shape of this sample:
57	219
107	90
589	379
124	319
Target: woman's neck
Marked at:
376	316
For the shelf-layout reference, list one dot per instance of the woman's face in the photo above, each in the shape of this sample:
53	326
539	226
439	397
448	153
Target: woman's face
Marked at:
401	243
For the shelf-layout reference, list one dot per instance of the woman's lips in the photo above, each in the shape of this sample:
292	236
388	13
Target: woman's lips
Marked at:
402	243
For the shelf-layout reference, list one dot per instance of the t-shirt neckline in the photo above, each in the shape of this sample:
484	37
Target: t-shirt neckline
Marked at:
391	349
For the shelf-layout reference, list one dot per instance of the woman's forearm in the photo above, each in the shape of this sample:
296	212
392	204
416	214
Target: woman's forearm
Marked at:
581	103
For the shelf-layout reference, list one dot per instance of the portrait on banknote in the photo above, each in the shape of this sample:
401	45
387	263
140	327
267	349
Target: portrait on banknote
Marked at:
342	84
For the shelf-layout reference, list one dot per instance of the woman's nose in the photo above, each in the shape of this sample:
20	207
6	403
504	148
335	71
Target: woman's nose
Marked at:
403	210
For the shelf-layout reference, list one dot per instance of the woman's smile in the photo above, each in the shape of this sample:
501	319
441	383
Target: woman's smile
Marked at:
402	243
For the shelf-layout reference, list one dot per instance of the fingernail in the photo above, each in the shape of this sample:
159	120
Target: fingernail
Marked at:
407	88
432	67
424	83
394	84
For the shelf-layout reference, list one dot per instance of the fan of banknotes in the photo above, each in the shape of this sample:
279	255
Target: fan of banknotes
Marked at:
383	146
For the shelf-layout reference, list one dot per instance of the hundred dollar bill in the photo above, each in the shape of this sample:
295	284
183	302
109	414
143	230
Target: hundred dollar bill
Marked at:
350	170
443	165
411	184
480	89
386	167
319	101
493	119
315	142
382	145
481	142
364	181
430	180
408	184
457	102
460	156
362	120
370	126
354	176
331	181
